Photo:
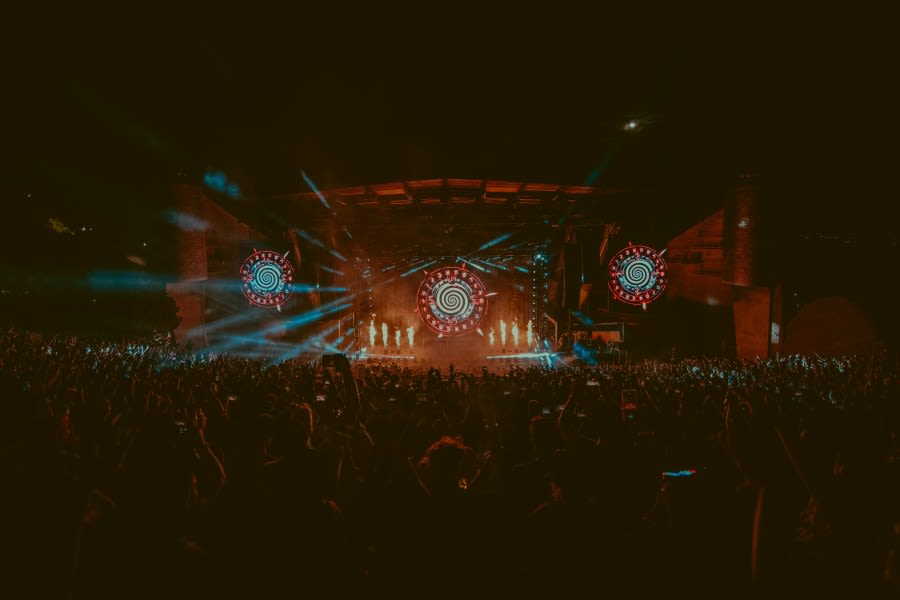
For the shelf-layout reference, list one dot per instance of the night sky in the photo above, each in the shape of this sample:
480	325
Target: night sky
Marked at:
103	106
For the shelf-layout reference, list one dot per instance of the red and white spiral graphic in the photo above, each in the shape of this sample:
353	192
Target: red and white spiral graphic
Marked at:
451	301
637	275
267	278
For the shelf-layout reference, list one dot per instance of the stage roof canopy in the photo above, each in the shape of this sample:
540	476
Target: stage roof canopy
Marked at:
449	217
453	192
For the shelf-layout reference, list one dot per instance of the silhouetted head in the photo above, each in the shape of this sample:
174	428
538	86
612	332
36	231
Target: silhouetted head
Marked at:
294	428
567	474
545	437
448	465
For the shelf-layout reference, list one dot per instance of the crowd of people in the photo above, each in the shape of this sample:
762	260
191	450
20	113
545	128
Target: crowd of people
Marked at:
145	470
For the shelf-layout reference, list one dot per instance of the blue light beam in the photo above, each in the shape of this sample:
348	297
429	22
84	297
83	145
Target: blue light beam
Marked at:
314	188
495	241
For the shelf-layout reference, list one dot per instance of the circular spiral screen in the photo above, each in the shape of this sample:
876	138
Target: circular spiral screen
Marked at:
451	301
637	275
266	278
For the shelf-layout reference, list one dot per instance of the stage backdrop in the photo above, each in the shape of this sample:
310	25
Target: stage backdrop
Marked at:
395	317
